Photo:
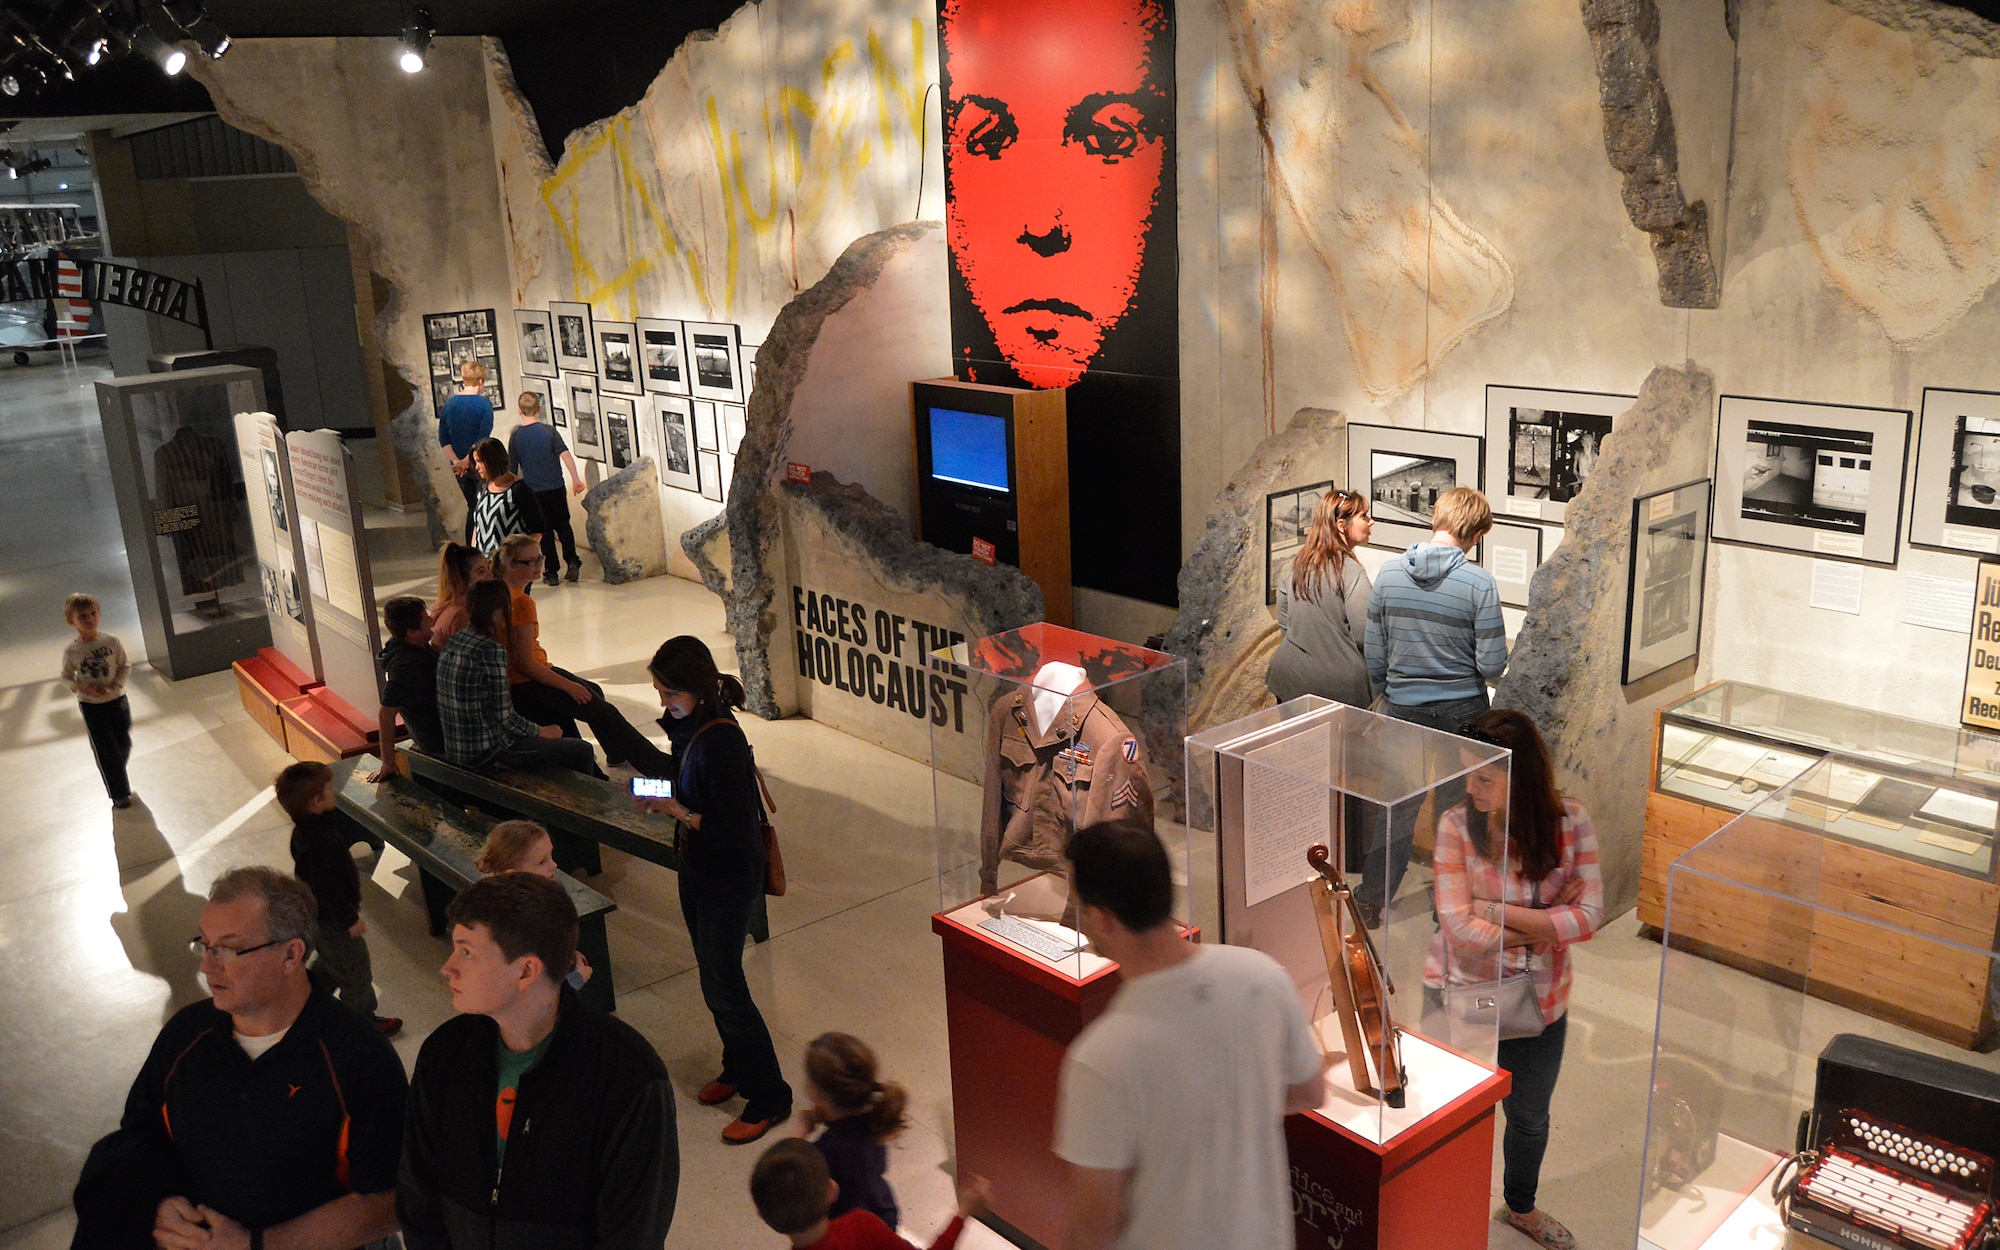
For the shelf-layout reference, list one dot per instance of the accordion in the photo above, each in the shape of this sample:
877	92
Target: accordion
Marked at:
1897	1152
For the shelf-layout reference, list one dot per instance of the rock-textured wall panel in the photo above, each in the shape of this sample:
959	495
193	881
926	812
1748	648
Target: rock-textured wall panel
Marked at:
1566	665
1413	278
777	543
1640	141
1224	631
623	523
758	154
1893	159
408	161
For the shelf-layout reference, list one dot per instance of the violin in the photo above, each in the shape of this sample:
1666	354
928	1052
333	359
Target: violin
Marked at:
1361	985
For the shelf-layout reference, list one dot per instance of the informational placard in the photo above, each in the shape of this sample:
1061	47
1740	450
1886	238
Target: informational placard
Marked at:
275	530
1981	705
1285	810
1937	602
335	556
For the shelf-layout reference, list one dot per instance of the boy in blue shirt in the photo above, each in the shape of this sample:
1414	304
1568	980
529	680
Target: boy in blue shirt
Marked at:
540	455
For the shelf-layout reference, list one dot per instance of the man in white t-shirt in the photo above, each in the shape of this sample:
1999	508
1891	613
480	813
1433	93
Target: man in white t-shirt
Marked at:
1172	1104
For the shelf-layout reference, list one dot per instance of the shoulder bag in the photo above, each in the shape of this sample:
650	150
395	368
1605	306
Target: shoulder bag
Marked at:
1468	1013
774	858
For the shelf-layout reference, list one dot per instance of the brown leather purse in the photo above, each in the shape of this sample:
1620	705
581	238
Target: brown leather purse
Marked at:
774	858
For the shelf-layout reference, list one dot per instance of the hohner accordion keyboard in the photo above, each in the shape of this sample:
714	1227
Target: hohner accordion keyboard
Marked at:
1896	1152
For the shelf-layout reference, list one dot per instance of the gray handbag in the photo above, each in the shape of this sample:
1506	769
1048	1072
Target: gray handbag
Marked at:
1465	1015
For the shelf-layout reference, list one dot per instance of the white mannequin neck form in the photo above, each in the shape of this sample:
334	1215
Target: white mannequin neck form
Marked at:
1054	683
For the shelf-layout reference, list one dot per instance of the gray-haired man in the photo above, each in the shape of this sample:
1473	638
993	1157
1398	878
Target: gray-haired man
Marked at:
269	1114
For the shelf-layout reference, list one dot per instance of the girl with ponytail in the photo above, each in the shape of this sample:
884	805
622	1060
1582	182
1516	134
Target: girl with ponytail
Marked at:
860	1114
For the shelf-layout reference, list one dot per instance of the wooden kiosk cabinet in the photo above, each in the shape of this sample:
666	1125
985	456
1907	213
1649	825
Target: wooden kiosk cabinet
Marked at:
993	479
1882	825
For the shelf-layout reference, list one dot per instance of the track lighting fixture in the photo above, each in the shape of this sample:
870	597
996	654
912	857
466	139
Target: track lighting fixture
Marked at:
191	17
418	32
70	36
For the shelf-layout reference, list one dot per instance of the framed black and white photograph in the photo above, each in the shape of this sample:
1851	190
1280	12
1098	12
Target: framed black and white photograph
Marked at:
1821	479
1542	445
618	357
707	427
538	342
1512	553
663	356
717	360
710	464
586	436
1669	560
1288	518
1957	501
576	350
674	414
1403	472
618	433
453	339
734	417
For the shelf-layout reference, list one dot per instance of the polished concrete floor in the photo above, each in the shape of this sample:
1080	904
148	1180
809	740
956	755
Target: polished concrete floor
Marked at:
96	906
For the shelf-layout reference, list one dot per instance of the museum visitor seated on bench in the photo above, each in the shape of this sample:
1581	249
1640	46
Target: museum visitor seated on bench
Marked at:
481	728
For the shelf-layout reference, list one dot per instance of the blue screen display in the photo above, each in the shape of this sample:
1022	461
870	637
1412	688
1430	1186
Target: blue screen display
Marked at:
969	448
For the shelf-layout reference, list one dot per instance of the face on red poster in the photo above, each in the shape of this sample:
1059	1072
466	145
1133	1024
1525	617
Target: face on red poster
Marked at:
1056	134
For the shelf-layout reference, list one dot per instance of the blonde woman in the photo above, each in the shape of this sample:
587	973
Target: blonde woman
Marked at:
1323	608
460	568
466	418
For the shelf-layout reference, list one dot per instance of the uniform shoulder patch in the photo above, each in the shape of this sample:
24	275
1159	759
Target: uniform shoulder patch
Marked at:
1130	750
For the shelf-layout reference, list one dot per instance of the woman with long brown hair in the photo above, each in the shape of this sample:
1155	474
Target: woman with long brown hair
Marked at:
1516	867
1323	608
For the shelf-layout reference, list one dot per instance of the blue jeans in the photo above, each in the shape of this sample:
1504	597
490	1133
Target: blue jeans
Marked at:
564	752
719	927
1534	1063
1383	865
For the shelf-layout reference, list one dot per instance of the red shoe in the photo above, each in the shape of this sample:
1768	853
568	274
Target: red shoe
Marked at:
743	1132
716	1091
387	1026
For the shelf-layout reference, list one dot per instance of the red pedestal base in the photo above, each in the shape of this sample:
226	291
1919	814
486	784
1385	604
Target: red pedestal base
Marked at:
1010	1019
1426	1189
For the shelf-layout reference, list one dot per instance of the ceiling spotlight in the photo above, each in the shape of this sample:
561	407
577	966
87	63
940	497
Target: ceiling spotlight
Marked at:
27	76
193	19
417	35
149	43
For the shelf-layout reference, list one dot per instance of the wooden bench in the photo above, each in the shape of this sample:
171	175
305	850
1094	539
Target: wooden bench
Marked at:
581	813
325	727
444	844
266	683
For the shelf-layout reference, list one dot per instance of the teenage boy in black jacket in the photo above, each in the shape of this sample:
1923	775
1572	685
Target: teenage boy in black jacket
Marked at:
533	1121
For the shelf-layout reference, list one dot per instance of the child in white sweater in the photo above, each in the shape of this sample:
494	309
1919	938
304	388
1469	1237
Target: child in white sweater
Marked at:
94	667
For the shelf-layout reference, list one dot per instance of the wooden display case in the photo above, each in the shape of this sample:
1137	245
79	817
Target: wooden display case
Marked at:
1880	829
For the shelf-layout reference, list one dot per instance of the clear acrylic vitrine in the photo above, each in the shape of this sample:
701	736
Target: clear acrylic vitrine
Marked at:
182	503
1834	948
1315	773
1047	730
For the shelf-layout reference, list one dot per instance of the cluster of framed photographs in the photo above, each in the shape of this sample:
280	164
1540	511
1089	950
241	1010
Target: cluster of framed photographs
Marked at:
622	390
451	339
699	359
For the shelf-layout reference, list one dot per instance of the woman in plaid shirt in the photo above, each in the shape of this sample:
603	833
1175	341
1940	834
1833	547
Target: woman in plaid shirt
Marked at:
1516	868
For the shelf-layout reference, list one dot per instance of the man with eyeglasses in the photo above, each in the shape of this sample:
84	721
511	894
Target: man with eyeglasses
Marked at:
268	1115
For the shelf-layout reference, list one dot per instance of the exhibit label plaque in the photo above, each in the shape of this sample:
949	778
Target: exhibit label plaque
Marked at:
1981	705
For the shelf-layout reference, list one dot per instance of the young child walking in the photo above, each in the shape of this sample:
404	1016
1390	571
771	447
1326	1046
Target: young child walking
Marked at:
859	1114
320	859
795	1196
94	668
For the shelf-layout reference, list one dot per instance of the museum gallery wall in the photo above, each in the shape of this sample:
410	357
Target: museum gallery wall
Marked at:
1366	223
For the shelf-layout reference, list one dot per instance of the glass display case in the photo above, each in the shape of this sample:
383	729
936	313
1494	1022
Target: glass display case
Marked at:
1907	787
1302	800
1060	729
171	442
1828	1043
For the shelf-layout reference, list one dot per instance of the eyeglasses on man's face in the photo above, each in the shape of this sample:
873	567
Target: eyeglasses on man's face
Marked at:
225	955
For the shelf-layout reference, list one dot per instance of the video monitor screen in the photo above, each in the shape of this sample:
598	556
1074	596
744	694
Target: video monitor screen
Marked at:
969	448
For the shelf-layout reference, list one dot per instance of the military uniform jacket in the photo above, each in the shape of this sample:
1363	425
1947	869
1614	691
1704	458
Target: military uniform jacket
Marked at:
1043	786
